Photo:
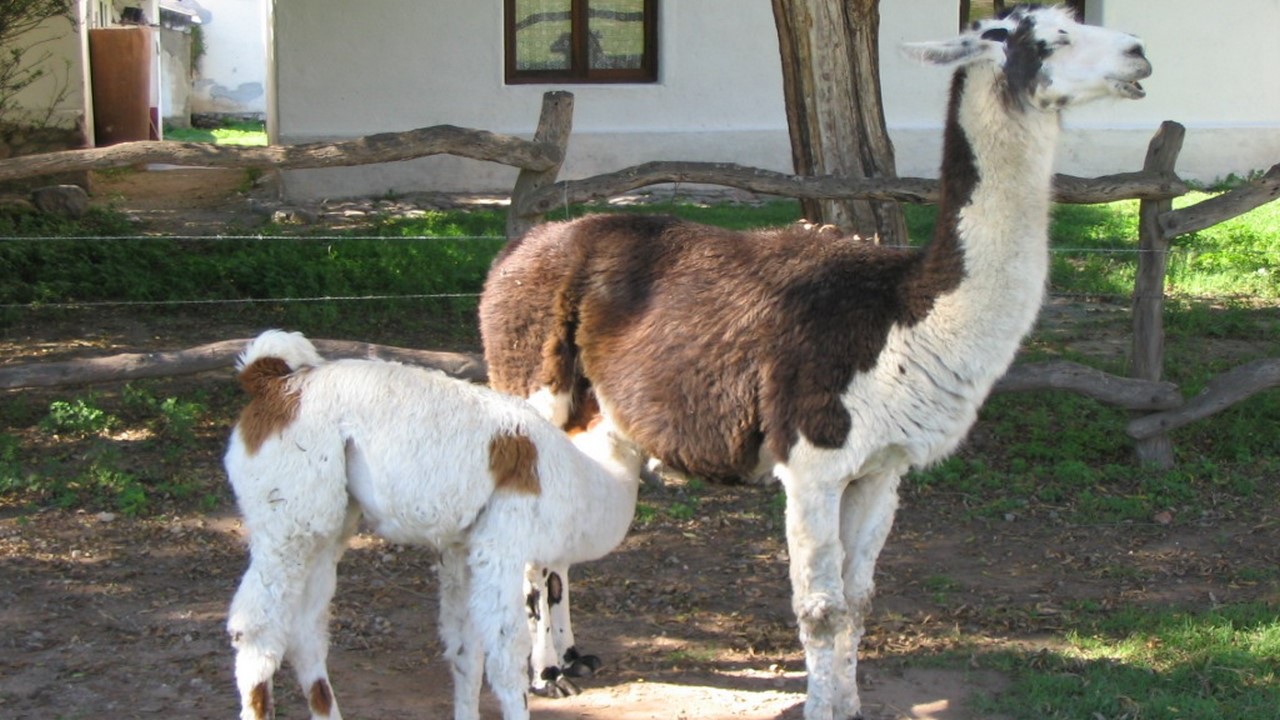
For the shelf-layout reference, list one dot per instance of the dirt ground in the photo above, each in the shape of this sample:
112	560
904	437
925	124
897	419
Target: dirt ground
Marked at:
106	616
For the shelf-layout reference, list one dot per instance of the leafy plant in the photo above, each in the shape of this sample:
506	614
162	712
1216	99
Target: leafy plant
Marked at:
78	417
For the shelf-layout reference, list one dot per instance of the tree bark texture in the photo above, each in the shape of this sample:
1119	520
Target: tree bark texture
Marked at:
1148	289
830	56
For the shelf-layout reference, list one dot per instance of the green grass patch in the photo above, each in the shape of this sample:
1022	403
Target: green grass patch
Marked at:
233	133
128	453
1153	665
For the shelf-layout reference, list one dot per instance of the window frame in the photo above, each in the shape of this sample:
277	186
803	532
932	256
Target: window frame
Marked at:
965	5
579	71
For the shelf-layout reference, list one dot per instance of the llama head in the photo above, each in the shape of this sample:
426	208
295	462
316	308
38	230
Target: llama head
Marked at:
607	445
1048	60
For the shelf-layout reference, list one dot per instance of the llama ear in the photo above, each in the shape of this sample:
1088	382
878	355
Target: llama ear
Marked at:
948	52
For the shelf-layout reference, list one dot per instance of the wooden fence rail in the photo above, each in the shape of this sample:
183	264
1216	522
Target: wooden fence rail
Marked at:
1158	406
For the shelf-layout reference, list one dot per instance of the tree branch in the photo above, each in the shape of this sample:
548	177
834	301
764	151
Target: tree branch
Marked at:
381	148
1127	393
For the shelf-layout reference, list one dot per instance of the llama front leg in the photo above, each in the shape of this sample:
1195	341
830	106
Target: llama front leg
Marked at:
817	592
572	663
545	680
867	508
555	657
462	647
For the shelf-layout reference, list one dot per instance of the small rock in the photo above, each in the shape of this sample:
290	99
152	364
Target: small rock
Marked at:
105	517
66	200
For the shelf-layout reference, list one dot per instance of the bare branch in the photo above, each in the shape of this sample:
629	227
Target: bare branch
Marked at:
384	147
1127	393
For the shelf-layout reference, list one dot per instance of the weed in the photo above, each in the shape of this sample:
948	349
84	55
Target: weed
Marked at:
79	417
683	510
645	513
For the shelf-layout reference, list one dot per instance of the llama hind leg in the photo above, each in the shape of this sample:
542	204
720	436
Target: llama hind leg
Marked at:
309	639
258	623
462	646
495	609
867	508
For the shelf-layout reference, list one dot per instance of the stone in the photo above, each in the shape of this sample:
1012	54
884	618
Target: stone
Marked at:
66	200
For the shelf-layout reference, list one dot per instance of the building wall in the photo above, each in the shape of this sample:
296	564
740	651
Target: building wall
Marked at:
401	64
175	71
59	98
231	77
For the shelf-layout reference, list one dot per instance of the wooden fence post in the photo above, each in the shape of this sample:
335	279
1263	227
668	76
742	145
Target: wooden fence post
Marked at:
554	126
1148	289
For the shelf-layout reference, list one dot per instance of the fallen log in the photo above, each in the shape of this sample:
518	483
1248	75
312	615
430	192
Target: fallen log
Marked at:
213	356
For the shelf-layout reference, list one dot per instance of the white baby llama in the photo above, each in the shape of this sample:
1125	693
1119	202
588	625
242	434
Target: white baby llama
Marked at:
430	460
834	363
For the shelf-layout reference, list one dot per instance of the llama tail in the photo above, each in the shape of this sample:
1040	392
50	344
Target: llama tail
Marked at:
272	355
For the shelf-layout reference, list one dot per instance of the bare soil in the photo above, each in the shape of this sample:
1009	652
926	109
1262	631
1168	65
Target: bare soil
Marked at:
107	616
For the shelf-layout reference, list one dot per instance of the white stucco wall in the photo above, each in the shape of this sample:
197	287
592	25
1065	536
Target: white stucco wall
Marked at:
401	64
232	75
60	92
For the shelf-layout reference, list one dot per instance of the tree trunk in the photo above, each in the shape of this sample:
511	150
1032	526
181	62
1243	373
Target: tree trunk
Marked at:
830	55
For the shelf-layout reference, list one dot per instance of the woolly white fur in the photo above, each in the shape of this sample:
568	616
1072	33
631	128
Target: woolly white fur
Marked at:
409	448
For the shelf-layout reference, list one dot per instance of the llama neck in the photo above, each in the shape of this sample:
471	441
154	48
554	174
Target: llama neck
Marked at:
993	220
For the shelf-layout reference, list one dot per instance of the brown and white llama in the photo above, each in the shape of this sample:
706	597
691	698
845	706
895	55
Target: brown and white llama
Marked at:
429	460
834	363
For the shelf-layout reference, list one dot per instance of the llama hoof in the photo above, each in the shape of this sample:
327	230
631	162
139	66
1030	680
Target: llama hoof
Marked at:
558	688
582	665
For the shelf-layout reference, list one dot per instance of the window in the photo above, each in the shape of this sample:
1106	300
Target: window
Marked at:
581	41
971	10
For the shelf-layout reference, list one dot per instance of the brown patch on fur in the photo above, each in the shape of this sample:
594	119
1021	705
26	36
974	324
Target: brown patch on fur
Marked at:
260	700
272	406
555	589
513	462
586	414
320	698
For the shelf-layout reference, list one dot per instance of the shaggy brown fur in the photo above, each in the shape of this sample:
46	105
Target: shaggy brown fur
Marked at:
513	461
765	329
273	406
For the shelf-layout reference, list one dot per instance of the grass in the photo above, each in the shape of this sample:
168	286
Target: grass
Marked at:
128	453
1139	664
232	133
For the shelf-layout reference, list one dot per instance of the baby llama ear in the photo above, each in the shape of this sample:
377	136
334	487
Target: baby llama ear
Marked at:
949	52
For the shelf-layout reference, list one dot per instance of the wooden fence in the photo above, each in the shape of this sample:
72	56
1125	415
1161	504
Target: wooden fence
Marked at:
1158	406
